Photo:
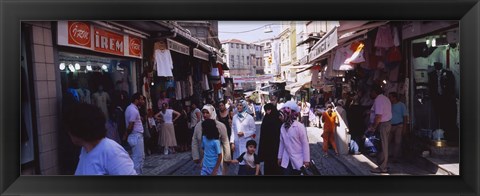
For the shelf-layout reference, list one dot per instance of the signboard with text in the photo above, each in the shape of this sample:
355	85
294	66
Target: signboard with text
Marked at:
263	78
325	44
84	35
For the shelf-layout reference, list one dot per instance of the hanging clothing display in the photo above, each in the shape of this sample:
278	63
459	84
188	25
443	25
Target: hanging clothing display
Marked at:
84	95
394	73
146	93
190	85
384	38
396	37
205	84
178	91
164	63
181	66
215	72
357	53
100	99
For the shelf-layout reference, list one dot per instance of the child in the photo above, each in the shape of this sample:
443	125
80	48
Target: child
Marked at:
212	156
248	161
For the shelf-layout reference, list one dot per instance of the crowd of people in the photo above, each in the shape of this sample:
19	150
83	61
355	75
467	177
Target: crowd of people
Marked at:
224	133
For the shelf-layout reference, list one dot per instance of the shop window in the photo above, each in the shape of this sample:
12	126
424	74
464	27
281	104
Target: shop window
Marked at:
106	82
435	59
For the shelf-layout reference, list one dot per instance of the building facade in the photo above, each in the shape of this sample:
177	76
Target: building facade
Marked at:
243	60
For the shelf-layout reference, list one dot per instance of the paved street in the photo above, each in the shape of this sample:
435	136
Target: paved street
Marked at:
181	164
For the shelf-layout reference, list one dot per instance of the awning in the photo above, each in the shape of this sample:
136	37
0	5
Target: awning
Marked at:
179	31
294	90
296	84
297	66
224	66
248	93
348	34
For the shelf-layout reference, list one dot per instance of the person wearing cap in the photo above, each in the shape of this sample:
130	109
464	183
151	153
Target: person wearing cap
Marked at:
208	112
330	120
380	116
294	150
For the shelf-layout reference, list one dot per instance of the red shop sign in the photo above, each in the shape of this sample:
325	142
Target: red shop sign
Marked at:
134	46
91	37
79	33
108	42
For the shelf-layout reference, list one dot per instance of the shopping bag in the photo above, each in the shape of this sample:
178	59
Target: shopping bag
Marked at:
311	170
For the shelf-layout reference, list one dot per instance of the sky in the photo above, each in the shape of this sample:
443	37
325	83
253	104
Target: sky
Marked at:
234	29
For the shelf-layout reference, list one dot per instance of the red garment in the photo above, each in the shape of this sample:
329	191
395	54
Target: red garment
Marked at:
220	69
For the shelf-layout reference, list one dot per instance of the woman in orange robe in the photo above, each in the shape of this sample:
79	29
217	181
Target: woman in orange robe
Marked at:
330	119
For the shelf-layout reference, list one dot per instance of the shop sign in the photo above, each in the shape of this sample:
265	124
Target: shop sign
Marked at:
248	79
327	43
135	46
178	47
200	54
79	34
108	42
87	36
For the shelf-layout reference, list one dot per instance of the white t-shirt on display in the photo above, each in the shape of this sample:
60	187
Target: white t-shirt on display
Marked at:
163	60
107	158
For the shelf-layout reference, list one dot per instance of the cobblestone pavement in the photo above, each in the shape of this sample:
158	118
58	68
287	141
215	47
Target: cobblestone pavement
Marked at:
181	164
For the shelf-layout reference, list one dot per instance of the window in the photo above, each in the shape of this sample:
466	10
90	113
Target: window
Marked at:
238	60
248	47
248	59
231	45
237	45
232	60
243	60
242	46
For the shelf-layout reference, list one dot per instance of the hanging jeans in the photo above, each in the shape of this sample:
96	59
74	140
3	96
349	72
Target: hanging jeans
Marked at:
135	139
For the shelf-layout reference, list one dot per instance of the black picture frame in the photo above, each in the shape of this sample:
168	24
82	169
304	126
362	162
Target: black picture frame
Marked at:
12	12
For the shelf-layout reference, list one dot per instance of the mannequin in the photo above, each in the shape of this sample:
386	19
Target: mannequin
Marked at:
101	99
442	92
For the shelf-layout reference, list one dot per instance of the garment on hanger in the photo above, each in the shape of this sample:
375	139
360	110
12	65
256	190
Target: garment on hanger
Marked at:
178	91
396	37
100	99
190	85
393	73
205	83
384	38
164	63
84	95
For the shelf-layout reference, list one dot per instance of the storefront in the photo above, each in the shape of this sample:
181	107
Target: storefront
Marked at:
401	58
433	57
97	65
68	62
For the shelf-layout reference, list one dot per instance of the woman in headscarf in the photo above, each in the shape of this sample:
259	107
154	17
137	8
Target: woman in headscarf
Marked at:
269	140
294	150
243	129
208	112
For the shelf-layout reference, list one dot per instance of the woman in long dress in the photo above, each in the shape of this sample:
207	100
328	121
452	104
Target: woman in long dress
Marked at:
243	129
167	136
